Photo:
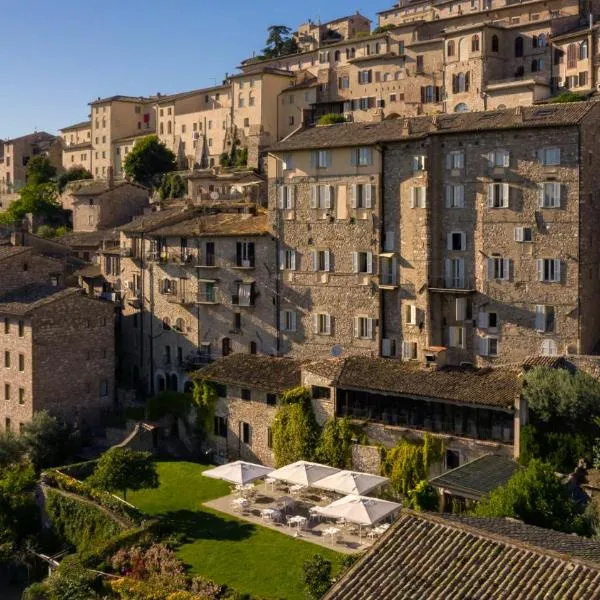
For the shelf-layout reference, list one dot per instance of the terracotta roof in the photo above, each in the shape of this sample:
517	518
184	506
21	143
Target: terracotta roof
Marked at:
495	387
89	238
118	98
100	187
254	371
478	477
11	251
364	134
440	557
29	298
220	224
81	125
552	362
145	223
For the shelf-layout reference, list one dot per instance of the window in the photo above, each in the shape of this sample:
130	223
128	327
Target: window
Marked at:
344	82
319	392
455	273
518	47
455	159
290	120
499	158
456	337
6	359
271	399
246	394
450	48
457	241
364	328
583	50
583	79
550	195
180	325
455	196
21	328
246	433
549	348
220	426
321	159
548	156
104	387
544	318
571	56
324	57
388	274
409	350
21	396
321	260
288	320
418	163
365	76
362	262
523	234
460	309
452	459
209	254
21	362
270	432
241	101
475	43
287	260
537	64
362	195
411	314
322	324
548	269
461	83
245	254
166	324
7	425
321	196
430	93
287	197
498	268
244	294
495	43
418	197
420	63
498	195
7	391
362	156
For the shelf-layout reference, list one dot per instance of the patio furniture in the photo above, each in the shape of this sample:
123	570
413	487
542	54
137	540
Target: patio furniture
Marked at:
297	489
245	490
269	514
351	482
331	532
240	504
269	481
313	513
298	520
285	502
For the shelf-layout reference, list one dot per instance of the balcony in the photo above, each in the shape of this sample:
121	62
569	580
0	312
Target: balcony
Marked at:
242	300
197	360
463	285
207	298
180	299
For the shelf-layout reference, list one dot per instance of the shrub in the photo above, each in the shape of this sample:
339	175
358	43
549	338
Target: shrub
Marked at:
335	443
567	97
317	576
332	119
424	497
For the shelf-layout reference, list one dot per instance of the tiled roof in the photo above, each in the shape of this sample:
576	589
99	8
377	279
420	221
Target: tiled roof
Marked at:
254	371
495	387
118	98
89	238
477	477
358	134
552	362
221	224
172	97
35	137
89	272
11	251
145	223
100	187
31	297
329	369
437	557
81	125
227	177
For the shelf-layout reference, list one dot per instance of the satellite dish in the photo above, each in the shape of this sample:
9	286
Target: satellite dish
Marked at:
214	195
336	351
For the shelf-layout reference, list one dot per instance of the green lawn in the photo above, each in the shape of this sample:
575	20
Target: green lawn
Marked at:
247	557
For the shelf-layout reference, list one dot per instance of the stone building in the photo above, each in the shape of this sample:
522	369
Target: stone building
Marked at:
77	146
475	412
475	245
216	186
196	284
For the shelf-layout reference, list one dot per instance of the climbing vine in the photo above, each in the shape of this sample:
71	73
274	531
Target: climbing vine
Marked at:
295	429
205	398
335	443
408	462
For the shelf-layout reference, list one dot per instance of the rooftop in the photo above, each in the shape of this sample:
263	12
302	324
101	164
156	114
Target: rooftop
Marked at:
181	95
448	556
261	372
100	187
149	222
90	238
81	125
119	98
220	224
358	134
10	251
478	477
29	298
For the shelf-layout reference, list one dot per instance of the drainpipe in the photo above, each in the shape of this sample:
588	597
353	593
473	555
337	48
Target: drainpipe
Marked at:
382	307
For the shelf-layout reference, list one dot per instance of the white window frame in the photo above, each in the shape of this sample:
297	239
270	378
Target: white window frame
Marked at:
460	309
550	194
388	270
454	278
484	346
357	259
450	241
456	336
321	196
409	351
520	234
499	159
288	320
362	156
455	195
549	157
287	162
321	159
411	314
287	197
551	267
287	259
542	313
362	195
321	323
498	195
419	162
316	260
364	327
418	199
455	159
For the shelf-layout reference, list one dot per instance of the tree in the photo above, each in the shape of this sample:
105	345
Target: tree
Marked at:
11	449
295	429
317	576
122	469
49	442
40	170
279	42
40	200
172	186
536	496
424	497
148	161
335	443
76	173
72	581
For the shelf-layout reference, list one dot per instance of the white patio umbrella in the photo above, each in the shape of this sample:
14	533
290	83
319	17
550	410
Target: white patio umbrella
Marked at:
359	509
351	482
303	473
238	472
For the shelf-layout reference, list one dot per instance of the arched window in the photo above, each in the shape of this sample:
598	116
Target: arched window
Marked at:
337	56
450	48
252	348
461	107
350	53
173	382
571	56
180	324
475	43
166	324
226	346
583	50
519	47
495	44
161	385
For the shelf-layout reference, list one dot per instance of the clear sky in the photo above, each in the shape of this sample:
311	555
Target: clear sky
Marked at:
61	54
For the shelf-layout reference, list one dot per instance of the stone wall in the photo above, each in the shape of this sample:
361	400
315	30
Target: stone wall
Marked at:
366	459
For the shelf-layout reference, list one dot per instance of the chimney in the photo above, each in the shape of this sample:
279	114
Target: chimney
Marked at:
405	128
110	177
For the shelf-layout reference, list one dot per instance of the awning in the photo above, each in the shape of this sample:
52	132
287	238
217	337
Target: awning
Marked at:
303	473
239	472
351	482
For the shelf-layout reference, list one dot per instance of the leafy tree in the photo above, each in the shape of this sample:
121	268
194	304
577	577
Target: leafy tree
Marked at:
295	429
536	496
40	170
148	161
49	442
39	199
172	186
317	576
423	497
122	469
48	232
331	119
76	173
279	42
72	581
11	449
335	443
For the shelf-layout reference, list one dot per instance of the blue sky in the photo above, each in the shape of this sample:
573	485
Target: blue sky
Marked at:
69	52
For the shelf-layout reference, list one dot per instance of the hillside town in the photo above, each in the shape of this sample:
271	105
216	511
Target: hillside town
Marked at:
327	329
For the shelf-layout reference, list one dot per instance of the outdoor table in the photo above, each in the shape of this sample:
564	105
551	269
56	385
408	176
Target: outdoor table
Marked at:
268	513
242	489
332	531
296	520
296	489
269	481
241	503
313	513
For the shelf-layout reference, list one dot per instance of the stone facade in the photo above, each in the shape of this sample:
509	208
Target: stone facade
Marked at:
77	146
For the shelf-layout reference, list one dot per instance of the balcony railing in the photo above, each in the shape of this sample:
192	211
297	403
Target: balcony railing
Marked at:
238	300
464	284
